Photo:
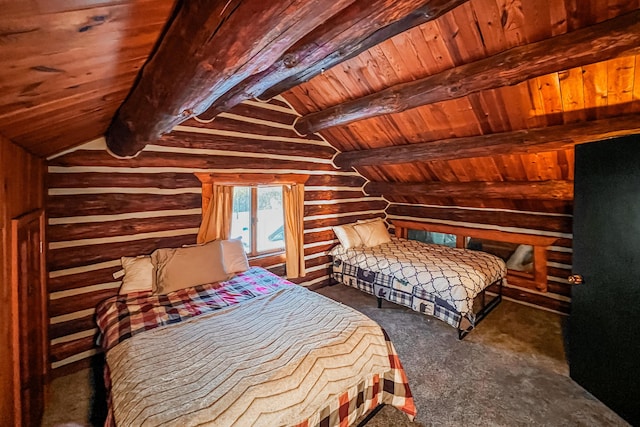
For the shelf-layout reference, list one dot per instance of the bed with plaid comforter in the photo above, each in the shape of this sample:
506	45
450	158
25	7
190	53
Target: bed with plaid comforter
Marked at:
432	279
254	350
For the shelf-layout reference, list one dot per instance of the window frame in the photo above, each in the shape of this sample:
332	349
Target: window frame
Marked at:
248	180
253	221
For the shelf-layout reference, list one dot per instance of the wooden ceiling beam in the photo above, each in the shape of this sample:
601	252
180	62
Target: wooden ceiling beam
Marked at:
358	28
514	190
209	47
524	141
596	43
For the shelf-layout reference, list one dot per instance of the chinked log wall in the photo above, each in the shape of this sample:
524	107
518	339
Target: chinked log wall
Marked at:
101	208
557	298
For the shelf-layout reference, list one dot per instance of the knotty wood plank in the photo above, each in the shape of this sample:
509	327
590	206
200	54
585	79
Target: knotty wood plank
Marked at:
600	42
339	53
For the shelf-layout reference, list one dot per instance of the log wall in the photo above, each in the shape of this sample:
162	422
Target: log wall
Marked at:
101	208
21	191
559	225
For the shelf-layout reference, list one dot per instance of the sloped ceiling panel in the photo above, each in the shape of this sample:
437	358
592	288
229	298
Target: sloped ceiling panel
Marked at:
475	30
68	65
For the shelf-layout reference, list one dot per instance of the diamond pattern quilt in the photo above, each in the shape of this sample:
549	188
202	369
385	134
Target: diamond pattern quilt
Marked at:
416	270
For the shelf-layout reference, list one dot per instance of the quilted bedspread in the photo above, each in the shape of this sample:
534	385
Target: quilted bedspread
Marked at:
253	351
454	275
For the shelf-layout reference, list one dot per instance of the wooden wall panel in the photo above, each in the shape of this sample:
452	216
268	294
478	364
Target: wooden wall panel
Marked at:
557	298
101	208
21	190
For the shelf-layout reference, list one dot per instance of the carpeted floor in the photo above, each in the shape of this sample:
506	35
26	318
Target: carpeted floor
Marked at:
510	371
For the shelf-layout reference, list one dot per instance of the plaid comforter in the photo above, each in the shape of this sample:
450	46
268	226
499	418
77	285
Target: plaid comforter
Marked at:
123	316
255	350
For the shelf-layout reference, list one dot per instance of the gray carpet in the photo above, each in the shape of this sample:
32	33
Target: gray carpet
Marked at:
510	371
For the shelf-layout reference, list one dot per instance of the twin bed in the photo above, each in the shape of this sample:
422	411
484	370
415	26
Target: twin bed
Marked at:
257	350
436	280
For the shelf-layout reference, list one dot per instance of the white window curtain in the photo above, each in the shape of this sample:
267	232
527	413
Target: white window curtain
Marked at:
216	218
293	203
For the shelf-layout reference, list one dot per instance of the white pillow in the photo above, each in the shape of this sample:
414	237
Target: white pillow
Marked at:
373	233
139	274
347	236
234	257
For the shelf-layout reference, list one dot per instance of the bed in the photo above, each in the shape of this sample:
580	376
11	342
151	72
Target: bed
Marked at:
436	280
255	350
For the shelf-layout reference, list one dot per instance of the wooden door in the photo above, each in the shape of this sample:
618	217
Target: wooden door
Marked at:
604	333
28	277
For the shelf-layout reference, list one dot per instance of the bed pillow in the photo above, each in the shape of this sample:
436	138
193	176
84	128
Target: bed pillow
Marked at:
373	233
181	268
234	257
139	274
347	236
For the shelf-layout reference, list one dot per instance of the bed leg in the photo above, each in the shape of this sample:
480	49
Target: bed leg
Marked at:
486	309
379	302
370	415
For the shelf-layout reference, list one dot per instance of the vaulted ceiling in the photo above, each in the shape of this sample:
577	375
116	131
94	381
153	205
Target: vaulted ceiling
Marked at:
485	94
596	90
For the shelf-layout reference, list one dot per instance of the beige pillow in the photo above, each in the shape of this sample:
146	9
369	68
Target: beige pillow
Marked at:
373	233
234	257
185	267
139	274
347	236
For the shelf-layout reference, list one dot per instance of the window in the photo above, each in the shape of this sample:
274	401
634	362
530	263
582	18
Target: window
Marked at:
433	237
258	219
518	257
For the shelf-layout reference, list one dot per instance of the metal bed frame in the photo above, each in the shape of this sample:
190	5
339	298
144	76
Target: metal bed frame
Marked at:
481	314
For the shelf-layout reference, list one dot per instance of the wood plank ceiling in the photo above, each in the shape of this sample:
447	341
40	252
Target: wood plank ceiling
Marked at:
67	65
471	32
